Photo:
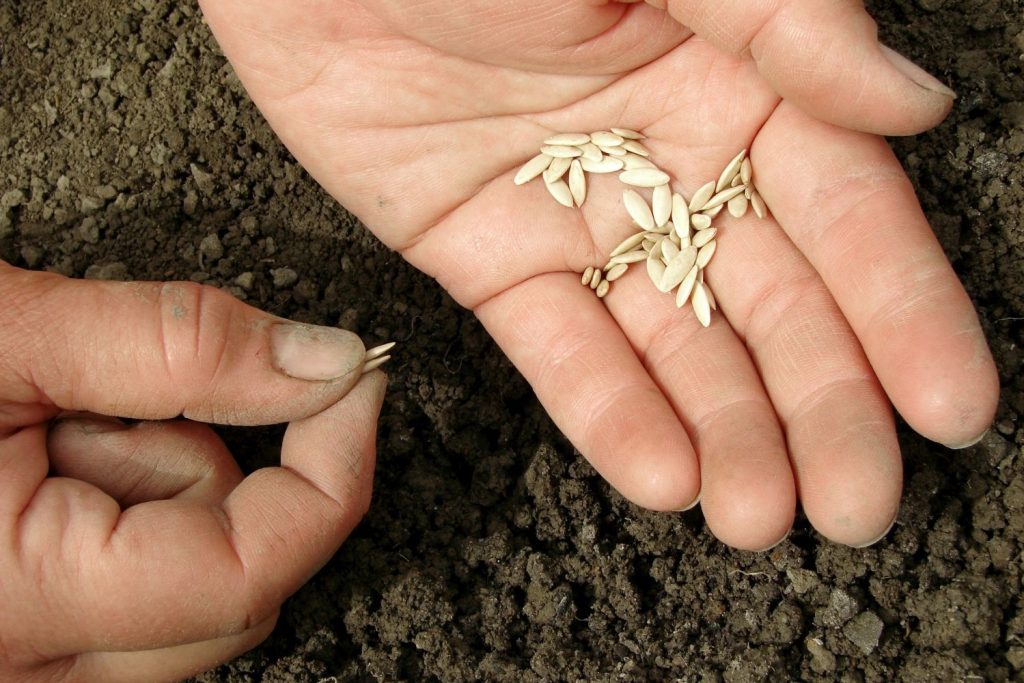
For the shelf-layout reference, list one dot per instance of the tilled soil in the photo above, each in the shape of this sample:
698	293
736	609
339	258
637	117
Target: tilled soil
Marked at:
128	149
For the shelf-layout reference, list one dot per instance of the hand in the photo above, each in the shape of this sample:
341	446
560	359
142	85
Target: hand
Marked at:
416	116
132	553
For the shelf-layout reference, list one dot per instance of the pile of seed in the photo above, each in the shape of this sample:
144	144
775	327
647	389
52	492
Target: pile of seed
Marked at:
675	238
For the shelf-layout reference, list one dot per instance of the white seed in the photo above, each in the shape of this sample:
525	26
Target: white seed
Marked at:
746	171
559	151
722	197
738	206
674	236
677	269
669	250
628	244
613	151
629	257
680	213
557	169
636	161
704	236
701	197
617	271
532	168
759	206
710	295
636	148
661	229
700	221
605	165
686	287
644	177
638	209
655	270
603	138
595	279
375	363
591	151
587	274
577	183
711	213
746	192
656	250
661	204
701	305
736	181
560	191
378	351
648	244
705	253
628	134
730	171
602	289
568	139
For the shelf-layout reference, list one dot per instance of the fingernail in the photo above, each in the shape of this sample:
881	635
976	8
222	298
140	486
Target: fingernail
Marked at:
966	444
880	536
315	353
695	503
916	73
91	424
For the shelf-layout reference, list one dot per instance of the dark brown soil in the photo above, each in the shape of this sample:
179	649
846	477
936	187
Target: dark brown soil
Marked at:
492	552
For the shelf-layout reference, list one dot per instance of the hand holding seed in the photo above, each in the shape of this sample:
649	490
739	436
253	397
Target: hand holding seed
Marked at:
139	552
836	306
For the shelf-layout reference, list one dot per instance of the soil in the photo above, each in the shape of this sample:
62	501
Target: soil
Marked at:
128	149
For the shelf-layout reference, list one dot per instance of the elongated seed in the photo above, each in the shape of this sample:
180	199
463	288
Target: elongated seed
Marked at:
655	270
638	209
730	171
758	204
532	168
677	269
648	244
701	197
603	138
636	148
617	271
591	151
736	181
661	229
560	191
686	287
595	279
661	204
605	165
722	197
674	236
602	289
629	257
711	213
568	139
561	151
701	305
680	214
644	177
738	206
613	151
705	253
700	221
669	250
656	250
704	236
375	363
628	244
746	171
557	169
587	274
378	351
636	161
628	134
577	183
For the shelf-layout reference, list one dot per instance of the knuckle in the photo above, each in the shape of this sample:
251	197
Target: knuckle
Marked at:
194	332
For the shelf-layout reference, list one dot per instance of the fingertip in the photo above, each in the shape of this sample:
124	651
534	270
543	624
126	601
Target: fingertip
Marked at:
748	520
667	486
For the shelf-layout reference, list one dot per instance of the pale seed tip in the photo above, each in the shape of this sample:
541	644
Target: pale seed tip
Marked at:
378	351
375	363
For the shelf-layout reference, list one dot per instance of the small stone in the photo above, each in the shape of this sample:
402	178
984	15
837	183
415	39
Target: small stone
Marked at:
245	280
802	580
841	608
90	204
11	198
211	248
284	277
203	178
864	630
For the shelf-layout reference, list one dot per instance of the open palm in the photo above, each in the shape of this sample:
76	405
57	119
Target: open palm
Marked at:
416	116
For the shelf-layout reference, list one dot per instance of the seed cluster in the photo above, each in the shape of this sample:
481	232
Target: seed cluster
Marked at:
676	237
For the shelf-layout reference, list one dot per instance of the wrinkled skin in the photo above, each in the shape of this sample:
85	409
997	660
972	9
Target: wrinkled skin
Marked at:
415	115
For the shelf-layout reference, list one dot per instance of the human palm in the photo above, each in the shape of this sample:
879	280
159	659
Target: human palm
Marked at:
416	116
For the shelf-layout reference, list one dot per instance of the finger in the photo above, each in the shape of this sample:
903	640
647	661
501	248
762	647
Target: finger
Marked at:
747	491
170	572
160	350
851	210
148	461
168	664
824	56
590	381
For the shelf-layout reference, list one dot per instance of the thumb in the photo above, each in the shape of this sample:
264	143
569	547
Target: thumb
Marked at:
824	56
152	350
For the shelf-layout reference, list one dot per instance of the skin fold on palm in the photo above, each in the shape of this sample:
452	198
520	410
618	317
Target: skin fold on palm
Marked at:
416	116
